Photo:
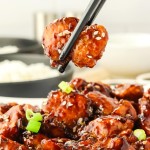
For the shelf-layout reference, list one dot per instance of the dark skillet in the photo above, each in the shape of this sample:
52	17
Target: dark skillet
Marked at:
32	89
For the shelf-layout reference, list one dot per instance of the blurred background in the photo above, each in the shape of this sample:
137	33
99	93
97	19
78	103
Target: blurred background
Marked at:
127	22
17	17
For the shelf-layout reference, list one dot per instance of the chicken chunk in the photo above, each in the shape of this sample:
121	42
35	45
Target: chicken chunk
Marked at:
90	46
33	140
7	144
11	121
84	87
130	92
107	126
125	109
144	113
5	107
103	105
64	113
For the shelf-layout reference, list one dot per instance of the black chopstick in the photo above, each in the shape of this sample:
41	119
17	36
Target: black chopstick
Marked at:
89	15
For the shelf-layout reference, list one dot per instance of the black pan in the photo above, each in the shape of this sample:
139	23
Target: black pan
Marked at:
32	89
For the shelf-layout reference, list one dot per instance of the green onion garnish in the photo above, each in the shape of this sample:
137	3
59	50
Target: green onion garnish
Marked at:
33	118
33	126
140	134
65	87
30	115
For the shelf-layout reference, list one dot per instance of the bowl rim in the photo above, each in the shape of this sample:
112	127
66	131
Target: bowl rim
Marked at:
33	47
115	38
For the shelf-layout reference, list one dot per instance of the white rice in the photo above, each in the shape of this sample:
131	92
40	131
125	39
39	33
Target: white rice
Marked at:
16	71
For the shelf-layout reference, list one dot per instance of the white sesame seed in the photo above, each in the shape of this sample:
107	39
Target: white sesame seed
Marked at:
80	120
65	32
75	129
69	104
103	34
89	56
95	32
59	51
98	38
63	103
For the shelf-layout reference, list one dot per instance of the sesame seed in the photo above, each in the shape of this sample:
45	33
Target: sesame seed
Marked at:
75	129
80	121
103	34
98	38
60	141
95	32
59	51
63	103
65	32
89	56
69	104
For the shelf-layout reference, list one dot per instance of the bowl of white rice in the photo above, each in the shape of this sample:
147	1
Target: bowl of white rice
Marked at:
29	76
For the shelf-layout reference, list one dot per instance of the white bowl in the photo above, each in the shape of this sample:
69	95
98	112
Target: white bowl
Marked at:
127	54
144	78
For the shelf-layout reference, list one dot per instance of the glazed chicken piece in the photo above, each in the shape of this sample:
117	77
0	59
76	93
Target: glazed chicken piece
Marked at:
7	144
131	92
102	104
64	113
33	140
88	48
54	144
144	112
123	141
98	93
106	126
115	143
142	145
5	107
55	36
49	145
11	121
84	87
125	109
80	145
41	142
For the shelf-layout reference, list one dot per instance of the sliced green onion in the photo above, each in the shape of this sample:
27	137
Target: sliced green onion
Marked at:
33	118
140	134
37	117
33	126
65	87
30	115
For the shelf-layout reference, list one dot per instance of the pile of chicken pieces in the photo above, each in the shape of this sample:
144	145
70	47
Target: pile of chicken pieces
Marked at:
94	116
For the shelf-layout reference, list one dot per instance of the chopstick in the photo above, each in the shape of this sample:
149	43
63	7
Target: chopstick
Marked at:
89	15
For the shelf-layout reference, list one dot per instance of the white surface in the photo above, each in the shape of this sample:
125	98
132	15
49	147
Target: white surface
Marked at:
127	54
